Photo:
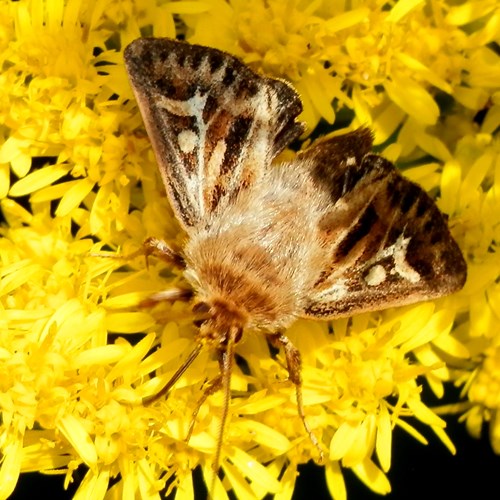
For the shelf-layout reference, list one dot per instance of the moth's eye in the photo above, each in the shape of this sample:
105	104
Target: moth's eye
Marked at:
202	312
239	335
201	308
224	338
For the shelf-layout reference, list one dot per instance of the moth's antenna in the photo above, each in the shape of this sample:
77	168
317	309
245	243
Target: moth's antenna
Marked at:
226	368
177	375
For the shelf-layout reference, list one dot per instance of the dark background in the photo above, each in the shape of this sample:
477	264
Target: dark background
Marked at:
418	472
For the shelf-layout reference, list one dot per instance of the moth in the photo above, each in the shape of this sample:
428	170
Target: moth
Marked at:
334	232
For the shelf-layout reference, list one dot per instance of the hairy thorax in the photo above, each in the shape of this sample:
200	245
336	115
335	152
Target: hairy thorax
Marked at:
242	281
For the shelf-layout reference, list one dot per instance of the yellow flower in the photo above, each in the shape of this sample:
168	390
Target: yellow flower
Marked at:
280	38
387	65
469	187
78	356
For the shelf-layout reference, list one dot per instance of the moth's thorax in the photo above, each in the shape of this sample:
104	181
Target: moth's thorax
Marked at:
241	285
259	254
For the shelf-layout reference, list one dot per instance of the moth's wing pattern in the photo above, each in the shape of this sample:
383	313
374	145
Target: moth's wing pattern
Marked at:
214	124
389	243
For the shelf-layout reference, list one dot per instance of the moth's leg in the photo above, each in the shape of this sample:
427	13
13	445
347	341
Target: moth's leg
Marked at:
294	365
226	353
176	376
216	384
213	386
151	246
170	295
161	249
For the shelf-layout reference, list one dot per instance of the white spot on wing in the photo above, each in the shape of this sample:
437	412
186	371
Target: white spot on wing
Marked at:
398	253
187	141
401	265
215	160
376	275
192	107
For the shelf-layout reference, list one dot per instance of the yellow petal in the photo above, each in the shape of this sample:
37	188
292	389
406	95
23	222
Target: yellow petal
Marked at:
129	322
412	431
103	355
412	98
93	486
258	402
53	192
384	438
495	431
387	121
373	477
424	414
253	470
74	196
264	435
469	12
11	467
450	186
472	98
416	66
346	19
15	152
185	490
287	483
363	443
38	180
188	7
132	357
401	9
321	101
441	434
434	146
16	275
4	179
72	428
475	176
451	346
335	481
242	490
214	483
343	439
492	120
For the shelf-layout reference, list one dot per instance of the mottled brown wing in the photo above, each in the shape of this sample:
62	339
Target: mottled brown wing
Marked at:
389	243
214	124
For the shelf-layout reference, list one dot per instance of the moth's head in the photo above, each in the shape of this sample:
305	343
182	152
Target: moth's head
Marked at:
217	317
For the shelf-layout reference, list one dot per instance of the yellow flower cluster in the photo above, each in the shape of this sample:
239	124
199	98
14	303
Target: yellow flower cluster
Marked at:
77	175
387	66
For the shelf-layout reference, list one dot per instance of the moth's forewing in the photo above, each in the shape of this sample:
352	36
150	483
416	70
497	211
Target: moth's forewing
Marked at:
389	243
214	124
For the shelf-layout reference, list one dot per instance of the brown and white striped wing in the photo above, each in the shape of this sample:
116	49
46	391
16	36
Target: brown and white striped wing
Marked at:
214	124
388	243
